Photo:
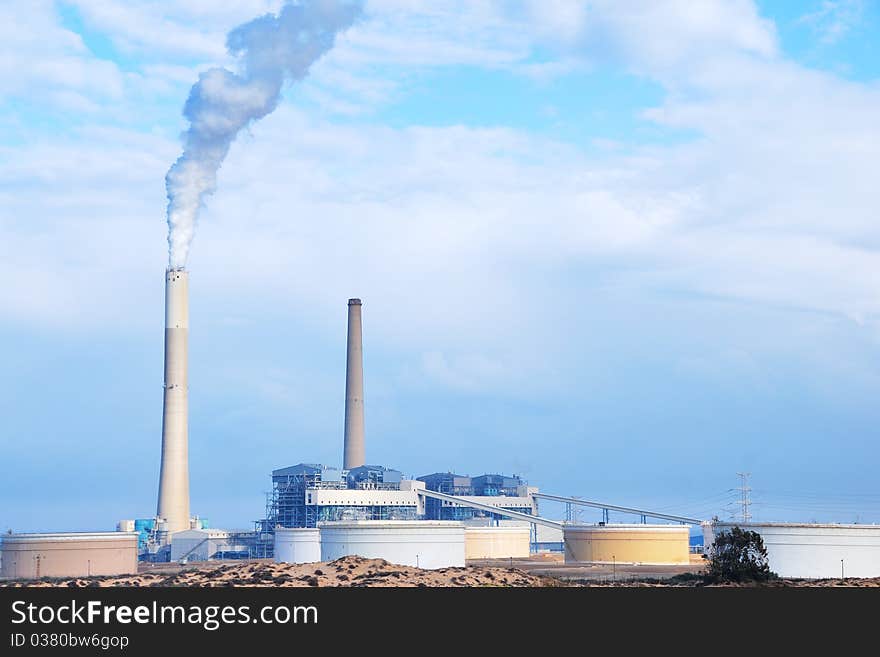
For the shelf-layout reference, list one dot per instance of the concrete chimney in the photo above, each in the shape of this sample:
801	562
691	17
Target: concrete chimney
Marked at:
353	455
173	504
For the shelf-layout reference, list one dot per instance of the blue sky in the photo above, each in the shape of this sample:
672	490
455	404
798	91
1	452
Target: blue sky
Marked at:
625	250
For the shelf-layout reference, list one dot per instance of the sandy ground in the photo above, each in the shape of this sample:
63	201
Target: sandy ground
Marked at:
537	571
552	565
347	571
640	575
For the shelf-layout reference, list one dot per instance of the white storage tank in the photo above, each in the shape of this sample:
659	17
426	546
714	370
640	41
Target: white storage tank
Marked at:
297	545
420	543
811	550
125	526
497	542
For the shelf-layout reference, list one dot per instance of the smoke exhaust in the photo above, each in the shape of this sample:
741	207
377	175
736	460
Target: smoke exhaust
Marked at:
173	506
353	454
269	51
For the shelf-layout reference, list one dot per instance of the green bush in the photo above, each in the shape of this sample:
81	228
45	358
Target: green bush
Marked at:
738	556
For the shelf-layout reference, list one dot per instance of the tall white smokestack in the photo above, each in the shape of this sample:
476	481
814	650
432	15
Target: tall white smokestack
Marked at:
354	390
173	504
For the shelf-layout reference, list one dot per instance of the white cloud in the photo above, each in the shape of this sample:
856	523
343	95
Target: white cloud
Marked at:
834	19
445	230
157	28
81	221
653	36
721	284
399	38
41	60
465	372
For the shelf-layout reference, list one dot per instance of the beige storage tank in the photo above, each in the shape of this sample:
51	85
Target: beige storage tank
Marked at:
496	542
30	556
648	544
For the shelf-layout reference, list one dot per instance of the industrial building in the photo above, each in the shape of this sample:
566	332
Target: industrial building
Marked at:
205	544
373	510
315	511
31	556
306	494
812	550
319	511
505	492
303	495
143	528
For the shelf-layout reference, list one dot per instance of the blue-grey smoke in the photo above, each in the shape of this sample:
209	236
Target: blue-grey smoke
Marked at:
271	51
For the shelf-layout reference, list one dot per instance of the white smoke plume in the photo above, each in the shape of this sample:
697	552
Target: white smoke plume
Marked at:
271	50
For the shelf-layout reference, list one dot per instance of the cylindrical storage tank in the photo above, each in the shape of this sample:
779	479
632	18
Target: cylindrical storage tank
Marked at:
31	556
812	550
125	526
497	542
648	544
420	543
298	545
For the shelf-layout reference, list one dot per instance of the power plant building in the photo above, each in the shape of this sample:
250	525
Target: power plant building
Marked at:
509	493
307	494
205	544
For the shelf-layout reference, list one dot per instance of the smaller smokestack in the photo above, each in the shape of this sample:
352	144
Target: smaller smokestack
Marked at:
353	455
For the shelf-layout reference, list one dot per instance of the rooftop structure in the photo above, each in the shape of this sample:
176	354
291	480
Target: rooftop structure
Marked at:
506	492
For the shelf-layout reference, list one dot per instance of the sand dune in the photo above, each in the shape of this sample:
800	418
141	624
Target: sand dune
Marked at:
347	571
357	571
